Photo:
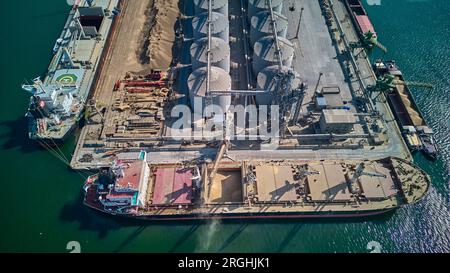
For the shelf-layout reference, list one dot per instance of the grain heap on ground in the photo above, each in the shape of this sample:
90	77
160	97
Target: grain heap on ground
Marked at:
162	33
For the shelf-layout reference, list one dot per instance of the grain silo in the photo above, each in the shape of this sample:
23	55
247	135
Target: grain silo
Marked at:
220	80
261	25
268	80
255	6
220	53
265	53
219	26
220	6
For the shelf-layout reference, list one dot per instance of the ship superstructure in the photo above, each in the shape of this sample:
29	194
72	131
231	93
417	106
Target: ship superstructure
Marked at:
58	100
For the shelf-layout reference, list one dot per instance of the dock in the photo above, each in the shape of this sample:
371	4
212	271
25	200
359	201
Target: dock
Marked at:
321	58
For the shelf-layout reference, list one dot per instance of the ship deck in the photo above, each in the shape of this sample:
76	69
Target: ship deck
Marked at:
281	188
88	51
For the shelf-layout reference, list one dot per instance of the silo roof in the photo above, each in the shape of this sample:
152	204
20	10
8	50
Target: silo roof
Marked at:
261	4
216	4
219	23
265	48
219	50
220	80
262	21
267	77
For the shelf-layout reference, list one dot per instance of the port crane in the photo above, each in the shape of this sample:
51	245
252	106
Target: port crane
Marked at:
222	151
387	82
93	105
368	42
307	171
360	171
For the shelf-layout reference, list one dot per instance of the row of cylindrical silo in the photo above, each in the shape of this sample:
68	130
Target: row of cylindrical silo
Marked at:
265	53
262	38
219	80
266	57
220	26
261	25
266	64
220	6
255	6
219	55
268	80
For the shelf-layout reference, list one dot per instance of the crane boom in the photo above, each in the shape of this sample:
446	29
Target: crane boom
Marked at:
220	154
358	173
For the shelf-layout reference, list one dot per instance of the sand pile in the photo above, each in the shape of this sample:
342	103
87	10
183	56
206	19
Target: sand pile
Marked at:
162	33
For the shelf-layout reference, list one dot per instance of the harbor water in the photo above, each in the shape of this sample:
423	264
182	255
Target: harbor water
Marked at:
41	204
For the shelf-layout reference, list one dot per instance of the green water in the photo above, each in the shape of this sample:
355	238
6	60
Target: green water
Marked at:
40	203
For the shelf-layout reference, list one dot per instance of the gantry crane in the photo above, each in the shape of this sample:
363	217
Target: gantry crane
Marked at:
369	42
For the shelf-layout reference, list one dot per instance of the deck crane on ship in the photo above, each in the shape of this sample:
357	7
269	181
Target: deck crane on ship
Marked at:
360	171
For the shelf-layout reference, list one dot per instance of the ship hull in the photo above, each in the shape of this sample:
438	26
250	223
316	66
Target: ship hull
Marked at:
402	116
432	156
111	191
249	216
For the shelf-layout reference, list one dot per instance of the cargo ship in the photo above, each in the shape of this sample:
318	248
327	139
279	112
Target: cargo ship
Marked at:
58	101
418	135
254	189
